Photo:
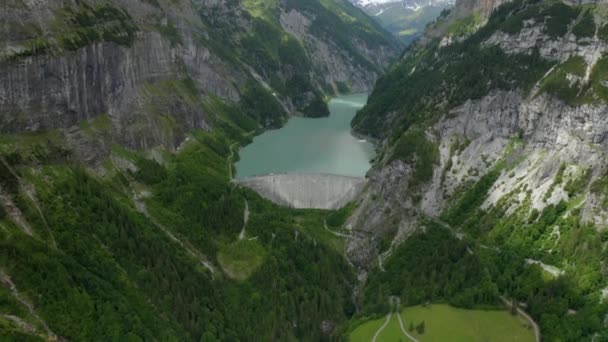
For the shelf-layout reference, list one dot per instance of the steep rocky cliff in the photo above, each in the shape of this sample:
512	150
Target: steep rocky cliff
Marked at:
406	19
153	66
496	132
119	122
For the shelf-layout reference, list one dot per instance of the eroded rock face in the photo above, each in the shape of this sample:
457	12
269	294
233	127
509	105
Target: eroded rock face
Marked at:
150	80
536	135
560	49
384	208
334	64
534	132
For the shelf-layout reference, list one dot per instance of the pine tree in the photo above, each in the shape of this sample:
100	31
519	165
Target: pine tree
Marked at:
513	307
420	328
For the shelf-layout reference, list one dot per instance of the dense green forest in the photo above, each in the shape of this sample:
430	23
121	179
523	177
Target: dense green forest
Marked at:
436	267
97	268
145	244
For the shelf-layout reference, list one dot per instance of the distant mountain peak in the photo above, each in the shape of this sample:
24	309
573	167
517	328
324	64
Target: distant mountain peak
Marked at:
406	19
365	3
406	3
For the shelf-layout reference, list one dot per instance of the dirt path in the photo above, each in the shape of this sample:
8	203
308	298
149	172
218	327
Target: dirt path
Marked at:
141	207
394	304
403	330
14	213
521	312
245	220
30	194
336	233
6	281
530	320
388	319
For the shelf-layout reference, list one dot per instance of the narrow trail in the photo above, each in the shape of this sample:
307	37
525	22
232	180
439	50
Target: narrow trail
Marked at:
388	319
521	312
6	281
404	331
525	315
380	265
394	304
341	235
245	220
141	207
347	236
385	255
14	213
23	325
32	198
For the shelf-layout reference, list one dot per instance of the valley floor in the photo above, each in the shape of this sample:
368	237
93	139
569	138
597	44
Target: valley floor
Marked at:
446	323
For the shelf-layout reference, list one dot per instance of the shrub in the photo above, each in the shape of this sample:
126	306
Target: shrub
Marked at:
150	171
560	16
414	148
585	27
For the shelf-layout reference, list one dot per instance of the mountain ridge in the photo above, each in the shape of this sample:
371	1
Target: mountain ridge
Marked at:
406	19
119	122
493	123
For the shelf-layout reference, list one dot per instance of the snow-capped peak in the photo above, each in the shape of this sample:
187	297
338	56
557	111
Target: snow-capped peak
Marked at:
365	3
410	4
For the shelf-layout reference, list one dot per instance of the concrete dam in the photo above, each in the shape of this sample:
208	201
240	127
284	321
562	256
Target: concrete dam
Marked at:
306	190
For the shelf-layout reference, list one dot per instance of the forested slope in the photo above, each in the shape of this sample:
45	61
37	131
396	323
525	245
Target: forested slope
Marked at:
118	123
493	130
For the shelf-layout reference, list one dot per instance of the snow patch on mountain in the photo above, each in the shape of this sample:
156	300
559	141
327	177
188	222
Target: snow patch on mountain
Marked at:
410	4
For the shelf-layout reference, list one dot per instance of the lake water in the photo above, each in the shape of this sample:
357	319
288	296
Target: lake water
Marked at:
323	145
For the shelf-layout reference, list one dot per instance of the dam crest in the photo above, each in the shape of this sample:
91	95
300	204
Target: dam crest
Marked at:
305	190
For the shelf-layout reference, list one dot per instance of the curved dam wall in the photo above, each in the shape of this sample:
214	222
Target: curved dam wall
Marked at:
306	190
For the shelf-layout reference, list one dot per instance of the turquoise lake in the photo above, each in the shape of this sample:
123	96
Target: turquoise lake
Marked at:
320	145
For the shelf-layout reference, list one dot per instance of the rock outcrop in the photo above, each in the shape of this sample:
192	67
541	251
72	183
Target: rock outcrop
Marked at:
547	141
152	67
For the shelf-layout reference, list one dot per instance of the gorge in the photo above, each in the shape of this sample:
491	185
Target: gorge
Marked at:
192	170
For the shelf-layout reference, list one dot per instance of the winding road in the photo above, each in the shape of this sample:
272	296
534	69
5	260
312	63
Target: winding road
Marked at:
402	326
525	315
394	304
521	312
388	319
347	236
140	205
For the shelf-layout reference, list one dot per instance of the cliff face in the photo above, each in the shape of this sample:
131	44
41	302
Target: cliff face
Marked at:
119	120
487	158
334	64
406	19
153	66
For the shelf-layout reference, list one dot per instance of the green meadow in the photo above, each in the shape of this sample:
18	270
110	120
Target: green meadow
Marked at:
446	323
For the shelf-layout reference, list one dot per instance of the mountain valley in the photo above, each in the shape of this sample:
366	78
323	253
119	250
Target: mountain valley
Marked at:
123	216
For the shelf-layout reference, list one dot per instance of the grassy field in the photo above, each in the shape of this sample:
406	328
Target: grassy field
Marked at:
365	332
392	332
445	323
240	259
